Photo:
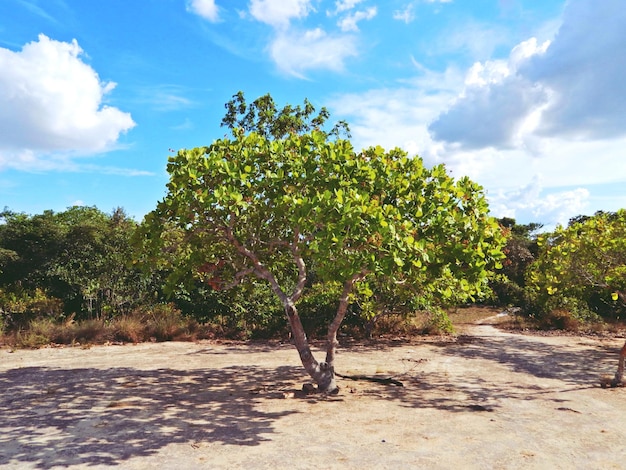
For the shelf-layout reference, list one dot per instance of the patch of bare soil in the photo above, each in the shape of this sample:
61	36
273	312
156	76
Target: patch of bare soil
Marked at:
491	399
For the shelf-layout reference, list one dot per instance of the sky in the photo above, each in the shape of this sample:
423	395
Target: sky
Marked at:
526	97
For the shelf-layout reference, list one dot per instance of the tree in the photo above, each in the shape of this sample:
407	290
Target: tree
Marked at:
80	256
270	206
520	250
582	268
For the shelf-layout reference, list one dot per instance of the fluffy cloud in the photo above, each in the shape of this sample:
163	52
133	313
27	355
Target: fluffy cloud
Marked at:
51	101
278	13
496	105
205	8
397	117
295	49
585	67
349	22
345	5
530	202
296	52
572	87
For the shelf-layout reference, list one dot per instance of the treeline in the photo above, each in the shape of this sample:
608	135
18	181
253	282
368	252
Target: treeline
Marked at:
86	268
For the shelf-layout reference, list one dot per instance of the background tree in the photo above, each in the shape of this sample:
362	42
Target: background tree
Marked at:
581	270
79	256
269	206
520	250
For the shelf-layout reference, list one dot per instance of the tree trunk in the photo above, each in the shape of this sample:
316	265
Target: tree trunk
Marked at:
618	380
322	373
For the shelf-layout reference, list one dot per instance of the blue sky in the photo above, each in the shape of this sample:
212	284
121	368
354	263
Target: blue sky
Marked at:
528	98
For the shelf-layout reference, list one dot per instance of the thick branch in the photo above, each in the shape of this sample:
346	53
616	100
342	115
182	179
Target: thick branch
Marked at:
297	257
339	316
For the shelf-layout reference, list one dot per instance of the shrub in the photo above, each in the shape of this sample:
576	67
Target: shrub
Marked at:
129	328
438	323
165	322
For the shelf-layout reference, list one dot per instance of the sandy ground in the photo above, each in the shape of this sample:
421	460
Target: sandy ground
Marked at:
489	400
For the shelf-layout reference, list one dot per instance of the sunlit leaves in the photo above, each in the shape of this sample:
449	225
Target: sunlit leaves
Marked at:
584	261
343	211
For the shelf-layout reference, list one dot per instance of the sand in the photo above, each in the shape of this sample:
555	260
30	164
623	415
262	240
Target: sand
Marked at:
490	399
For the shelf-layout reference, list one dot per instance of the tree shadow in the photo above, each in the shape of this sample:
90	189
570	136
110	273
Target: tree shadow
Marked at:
63	417
575	363
567	367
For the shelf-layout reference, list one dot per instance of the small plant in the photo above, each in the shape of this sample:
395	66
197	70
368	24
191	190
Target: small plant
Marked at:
39	333
438	323
129	328
90	331
165	323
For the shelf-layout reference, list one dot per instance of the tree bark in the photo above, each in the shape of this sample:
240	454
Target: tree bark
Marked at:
618	380
321	373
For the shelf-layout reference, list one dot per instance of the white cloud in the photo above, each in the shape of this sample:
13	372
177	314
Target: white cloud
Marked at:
205	8
278	13
572	87
398	117
296	52
495	104
585	67
531	202
349	22
51	102
407	14
345	5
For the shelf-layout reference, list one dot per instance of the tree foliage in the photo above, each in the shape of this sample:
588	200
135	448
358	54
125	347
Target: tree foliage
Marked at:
80	256
521	250
263	117
582	267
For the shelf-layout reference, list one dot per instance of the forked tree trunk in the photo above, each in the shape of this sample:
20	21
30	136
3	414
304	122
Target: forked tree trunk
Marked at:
618	380
322	373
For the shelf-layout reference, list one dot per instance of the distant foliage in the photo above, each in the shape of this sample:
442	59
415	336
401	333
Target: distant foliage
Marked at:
521	251
76	261
581	269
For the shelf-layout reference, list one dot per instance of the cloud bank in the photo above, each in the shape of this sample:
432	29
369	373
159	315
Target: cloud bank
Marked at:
571	87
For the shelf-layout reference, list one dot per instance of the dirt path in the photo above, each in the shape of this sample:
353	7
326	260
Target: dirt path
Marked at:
492	399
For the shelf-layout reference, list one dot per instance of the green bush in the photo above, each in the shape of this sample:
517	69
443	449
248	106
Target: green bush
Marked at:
438	323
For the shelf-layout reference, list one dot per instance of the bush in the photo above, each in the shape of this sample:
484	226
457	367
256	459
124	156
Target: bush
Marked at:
438	323
40	332
559	320
20	307
129	328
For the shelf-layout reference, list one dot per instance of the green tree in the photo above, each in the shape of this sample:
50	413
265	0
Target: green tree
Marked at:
272	207
520	250
582	268
80	256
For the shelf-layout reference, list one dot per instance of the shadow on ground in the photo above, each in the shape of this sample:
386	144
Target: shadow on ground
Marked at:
531	370
574	363
64	417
